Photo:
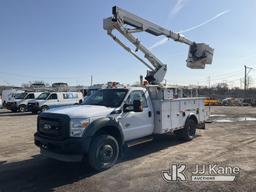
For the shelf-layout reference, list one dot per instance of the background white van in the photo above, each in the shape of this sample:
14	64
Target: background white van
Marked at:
48	100
8	95
20	101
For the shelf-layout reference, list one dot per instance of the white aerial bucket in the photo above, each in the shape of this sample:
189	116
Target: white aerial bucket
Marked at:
199	55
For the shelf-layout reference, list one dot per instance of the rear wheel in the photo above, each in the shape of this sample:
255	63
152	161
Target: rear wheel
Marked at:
34	111
22	108
103	153
188	132
44	108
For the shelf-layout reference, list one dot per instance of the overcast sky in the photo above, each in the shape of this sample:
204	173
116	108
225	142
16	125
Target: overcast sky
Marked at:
63	40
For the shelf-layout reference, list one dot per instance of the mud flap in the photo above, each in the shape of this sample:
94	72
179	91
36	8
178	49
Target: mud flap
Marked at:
201	126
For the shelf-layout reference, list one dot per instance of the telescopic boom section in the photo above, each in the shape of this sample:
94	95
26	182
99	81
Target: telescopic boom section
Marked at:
199	53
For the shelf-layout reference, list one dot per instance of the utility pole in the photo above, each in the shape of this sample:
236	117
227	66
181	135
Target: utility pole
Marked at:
246	73
209	85
245	80
91	80
141	80
209	79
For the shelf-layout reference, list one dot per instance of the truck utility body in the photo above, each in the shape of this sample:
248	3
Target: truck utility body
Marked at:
171	115
113	118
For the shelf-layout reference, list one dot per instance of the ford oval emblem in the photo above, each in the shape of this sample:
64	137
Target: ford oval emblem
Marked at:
47	126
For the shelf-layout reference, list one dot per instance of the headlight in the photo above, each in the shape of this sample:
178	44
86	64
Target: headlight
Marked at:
77	127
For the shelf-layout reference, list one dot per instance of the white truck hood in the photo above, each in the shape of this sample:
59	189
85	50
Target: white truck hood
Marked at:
14	100
82	111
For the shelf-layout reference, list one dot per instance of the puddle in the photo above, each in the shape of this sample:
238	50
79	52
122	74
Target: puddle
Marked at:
246	119
230	120
223	121
218	115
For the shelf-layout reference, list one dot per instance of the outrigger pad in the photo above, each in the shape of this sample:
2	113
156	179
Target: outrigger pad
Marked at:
199	55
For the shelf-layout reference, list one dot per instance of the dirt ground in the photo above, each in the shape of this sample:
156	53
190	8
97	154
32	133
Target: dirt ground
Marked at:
229	140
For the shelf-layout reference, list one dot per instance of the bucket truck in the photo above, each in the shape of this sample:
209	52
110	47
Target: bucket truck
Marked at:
112	119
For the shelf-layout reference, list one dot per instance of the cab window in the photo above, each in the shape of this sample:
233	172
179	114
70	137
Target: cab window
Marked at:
137	95
30	96
52	96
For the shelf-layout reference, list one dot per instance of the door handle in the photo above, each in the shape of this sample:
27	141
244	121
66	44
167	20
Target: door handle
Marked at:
149	114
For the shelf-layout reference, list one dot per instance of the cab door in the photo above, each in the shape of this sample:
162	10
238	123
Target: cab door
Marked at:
53	100
30	97
137	124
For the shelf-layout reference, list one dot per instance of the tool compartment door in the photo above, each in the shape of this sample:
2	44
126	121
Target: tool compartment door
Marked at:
162	115
175	114
202	110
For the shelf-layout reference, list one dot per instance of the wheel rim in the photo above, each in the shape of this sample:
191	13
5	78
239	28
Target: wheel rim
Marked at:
191	131
44	108
22	109
106	153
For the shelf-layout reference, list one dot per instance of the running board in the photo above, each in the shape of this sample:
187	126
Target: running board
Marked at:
139	141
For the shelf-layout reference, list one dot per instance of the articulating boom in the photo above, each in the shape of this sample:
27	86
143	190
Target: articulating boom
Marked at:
199	53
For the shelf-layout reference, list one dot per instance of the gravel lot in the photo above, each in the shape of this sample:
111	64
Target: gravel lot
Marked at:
228	140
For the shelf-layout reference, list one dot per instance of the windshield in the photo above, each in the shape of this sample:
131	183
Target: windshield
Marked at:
107	97
43	96
20	95
91	91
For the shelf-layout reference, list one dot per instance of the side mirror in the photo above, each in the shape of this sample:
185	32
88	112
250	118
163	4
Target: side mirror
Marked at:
137	106
127	108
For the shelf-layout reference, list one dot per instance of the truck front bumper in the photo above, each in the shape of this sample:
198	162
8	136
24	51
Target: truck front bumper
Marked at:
70	149
11	106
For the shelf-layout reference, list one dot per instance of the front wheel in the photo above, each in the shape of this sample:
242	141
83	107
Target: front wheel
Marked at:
103	153
188	132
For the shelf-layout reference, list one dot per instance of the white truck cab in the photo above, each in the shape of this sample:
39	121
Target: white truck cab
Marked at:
48	100
20	101
112	119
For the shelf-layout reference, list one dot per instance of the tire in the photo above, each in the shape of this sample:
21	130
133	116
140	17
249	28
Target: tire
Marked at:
188	132
103	153
44	108
34	112
202	126
22	108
